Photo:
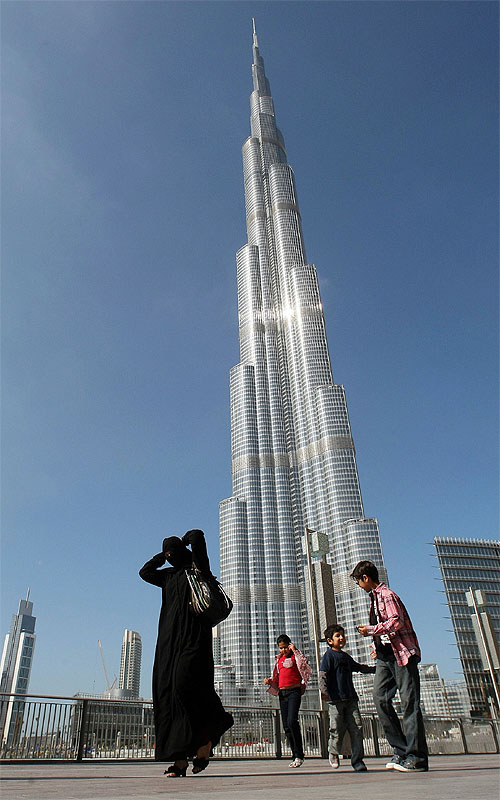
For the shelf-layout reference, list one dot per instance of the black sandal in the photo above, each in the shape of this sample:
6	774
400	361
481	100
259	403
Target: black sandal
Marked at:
199	764
179	772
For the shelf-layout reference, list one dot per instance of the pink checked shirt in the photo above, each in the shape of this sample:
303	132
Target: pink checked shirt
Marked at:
396	623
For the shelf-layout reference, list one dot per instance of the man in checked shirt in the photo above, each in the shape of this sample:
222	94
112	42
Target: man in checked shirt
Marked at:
398	653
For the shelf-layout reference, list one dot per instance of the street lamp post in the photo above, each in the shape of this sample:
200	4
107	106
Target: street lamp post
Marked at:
322	549
445	694
472	601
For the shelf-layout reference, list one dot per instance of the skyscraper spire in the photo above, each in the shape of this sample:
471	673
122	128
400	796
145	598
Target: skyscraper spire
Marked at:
260	82
293	459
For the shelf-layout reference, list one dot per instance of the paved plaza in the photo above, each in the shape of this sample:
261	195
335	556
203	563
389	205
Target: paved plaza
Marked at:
450	778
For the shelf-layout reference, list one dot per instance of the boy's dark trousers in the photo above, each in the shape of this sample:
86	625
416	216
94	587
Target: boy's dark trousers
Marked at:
389	677
289	707
344	715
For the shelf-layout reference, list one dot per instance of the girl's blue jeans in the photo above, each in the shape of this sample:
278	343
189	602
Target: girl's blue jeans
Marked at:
289	707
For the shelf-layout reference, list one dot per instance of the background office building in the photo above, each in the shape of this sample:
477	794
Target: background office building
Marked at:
465	563
432	691
15	669
130	666
439	697
457	698
293	458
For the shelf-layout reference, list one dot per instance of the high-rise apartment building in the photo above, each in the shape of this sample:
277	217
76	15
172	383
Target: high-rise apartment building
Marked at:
475	563
293	458
15	669
130	667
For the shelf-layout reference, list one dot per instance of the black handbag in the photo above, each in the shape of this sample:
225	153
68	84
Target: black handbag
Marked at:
209	602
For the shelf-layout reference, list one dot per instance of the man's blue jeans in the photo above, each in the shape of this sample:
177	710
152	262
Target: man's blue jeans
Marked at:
289	707
408	740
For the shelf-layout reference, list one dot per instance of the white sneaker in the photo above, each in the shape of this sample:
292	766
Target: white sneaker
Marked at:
297	762
394	760
334	761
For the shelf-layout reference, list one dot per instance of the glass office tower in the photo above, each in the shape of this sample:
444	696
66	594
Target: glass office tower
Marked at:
130	665
15	670
465	563
293	458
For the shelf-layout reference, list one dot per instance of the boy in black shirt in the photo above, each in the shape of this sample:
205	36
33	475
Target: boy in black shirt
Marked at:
335	681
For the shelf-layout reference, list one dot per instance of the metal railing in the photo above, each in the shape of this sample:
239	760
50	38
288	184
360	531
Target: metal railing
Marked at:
36	727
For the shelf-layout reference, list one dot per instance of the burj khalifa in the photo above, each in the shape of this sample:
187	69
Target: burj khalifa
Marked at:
292	451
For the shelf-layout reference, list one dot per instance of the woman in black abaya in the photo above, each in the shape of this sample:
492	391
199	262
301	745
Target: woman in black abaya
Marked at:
189	716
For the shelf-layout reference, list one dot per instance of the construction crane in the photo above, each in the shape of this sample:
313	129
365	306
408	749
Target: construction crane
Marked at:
112	685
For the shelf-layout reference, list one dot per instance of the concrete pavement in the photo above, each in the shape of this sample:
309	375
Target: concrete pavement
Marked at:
450	778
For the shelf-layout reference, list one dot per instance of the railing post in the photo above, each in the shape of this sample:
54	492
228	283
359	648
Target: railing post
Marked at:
463	737
374	727
83	730
494	732
277	734
323	720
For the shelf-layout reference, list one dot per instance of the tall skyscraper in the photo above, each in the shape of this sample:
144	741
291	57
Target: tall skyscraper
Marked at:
293	458
465	563
130	667
15	668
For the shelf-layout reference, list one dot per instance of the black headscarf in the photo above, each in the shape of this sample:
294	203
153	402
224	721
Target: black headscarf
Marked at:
176	552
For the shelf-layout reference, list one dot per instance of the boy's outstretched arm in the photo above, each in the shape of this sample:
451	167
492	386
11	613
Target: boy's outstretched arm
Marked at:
356	667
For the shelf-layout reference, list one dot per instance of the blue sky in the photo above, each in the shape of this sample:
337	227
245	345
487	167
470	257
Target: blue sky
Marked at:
122	210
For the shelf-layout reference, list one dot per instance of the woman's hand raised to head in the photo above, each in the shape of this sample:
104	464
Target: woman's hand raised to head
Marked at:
192	536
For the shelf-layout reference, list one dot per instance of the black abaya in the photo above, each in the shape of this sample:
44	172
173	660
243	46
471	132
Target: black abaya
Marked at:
187	710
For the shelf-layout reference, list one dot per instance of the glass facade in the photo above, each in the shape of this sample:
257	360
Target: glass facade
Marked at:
293	457
465	563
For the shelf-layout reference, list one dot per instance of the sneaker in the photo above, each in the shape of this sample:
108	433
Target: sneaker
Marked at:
411	764
334	761
297	762
394	760
360	767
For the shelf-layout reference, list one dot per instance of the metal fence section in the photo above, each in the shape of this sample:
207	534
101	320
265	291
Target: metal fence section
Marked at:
253	735
115	730
444	736
313	735
480	738
44	728
84	729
